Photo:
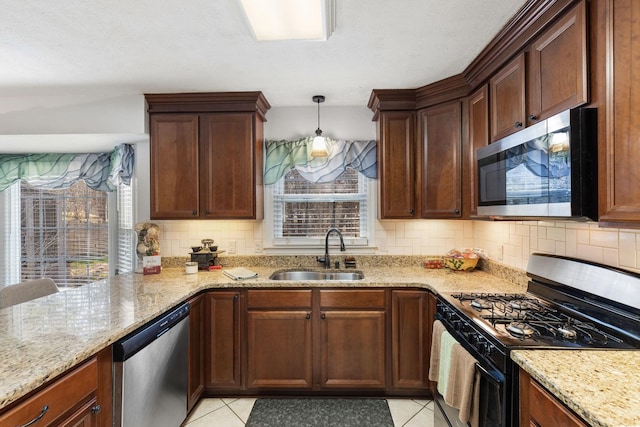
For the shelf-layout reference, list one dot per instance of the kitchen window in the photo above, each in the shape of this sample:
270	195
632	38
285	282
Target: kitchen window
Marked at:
301	212
65	234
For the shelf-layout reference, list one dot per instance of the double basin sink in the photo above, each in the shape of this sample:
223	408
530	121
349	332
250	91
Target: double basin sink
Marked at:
305	275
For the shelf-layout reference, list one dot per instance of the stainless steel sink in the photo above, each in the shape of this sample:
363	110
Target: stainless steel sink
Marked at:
316	275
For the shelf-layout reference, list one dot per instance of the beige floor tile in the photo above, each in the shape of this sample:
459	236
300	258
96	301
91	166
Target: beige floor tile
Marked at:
424	418
242	407
402	410
222	417
204	407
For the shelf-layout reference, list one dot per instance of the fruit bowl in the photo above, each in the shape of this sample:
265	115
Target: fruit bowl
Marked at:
461	261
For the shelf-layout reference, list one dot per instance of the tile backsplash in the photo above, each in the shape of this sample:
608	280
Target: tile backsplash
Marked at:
507	242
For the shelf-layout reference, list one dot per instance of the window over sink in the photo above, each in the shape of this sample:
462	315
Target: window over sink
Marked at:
300	212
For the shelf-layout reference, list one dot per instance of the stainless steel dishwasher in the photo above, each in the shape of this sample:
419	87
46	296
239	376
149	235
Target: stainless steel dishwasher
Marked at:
150	373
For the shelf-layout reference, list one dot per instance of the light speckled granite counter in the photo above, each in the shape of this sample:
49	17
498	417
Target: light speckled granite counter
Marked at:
43	338
601	386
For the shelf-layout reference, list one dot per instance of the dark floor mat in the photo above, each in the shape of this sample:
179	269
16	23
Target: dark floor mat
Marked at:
320	412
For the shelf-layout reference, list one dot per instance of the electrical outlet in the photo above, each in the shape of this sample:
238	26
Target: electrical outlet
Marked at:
258	247
233	245
500	253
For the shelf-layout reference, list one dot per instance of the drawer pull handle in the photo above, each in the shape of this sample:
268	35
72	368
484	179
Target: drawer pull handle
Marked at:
45	408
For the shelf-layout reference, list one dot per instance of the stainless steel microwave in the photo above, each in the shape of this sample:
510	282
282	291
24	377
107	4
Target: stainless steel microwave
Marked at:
545	170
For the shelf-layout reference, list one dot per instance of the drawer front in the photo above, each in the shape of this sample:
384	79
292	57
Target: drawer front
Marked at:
279	298
366	299
60	397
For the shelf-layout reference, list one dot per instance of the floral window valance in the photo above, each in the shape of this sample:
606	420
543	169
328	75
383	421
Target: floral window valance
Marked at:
283	156
100	171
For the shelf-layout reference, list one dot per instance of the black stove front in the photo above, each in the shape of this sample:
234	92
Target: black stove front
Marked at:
569	304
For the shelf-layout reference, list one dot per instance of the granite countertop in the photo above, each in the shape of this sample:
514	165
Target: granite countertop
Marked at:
601	386
43	338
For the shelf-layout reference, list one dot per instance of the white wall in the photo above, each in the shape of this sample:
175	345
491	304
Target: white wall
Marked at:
110	116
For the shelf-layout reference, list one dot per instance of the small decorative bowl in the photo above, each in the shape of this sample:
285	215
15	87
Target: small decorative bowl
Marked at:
460	264
196	248
213	248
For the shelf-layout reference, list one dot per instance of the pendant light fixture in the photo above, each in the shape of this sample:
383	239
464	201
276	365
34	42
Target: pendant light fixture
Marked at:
319	146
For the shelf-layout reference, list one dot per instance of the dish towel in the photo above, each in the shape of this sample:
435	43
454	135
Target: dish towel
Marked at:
460	384
434	363
240	273
446	351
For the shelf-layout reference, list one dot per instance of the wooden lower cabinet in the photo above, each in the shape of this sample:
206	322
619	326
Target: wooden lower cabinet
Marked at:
410	339
223	346
69	401
352	346
316	340
279	341
540	408
196	350
352	338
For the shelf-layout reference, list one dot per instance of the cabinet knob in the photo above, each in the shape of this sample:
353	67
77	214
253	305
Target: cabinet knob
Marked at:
206	211
518	124
308	316
533	118
412	212
96	409
235	297
323	316
194	212
457	211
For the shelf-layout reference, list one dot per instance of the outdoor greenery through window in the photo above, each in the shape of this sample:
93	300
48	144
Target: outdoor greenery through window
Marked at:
306	210
64	234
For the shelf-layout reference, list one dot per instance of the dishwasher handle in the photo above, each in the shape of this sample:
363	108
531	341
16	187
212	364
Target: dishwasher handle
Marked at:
140	338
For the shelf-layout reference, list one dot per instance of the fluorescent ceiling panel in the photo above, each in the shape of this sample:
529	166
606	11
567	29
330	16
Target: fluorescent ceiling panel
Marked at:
290	19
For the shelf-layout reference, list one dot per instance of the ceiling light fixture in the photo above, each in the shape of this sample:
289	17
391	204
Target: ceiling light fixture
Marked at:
290	19
319	146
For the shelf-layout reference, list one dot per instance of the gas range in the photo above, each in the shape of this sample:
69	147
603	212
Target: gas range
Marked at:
524	320
569	304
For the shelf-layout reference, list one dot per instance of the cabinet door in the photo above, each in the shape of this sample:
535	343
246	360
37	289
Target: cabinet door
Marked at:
196	350
507	99
352	347
618	110
410	339
539	408
174	166
223	348
558	66
478	116
86	416
228	165
279	349
396	157
440	131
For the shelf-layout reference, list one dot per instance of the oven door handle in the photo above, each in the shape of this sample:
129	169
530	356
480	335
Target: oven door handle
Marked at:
489	376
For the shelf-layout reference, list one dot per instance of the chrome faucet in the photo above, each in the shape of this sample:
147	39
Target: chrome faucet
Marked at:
325	260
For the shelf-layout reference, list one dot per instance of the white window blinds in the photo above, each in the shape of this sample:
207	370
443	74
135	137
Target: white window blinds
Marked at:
304	211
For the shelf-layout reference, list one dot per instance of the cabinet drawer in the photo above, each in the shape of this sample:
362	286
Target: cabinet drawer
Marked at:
279	298
60	397
352	299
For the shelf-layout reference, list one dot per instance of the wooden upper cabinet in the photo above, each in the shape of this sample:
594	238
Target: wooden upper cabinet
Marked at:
206	155
441	178
557	70
227	162
397	165
478	137
507	99
174	166
616	47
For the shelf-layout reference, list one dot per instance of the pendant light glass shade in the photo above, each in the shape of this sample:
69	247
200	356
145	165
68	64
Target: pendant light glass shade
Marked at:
319	145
